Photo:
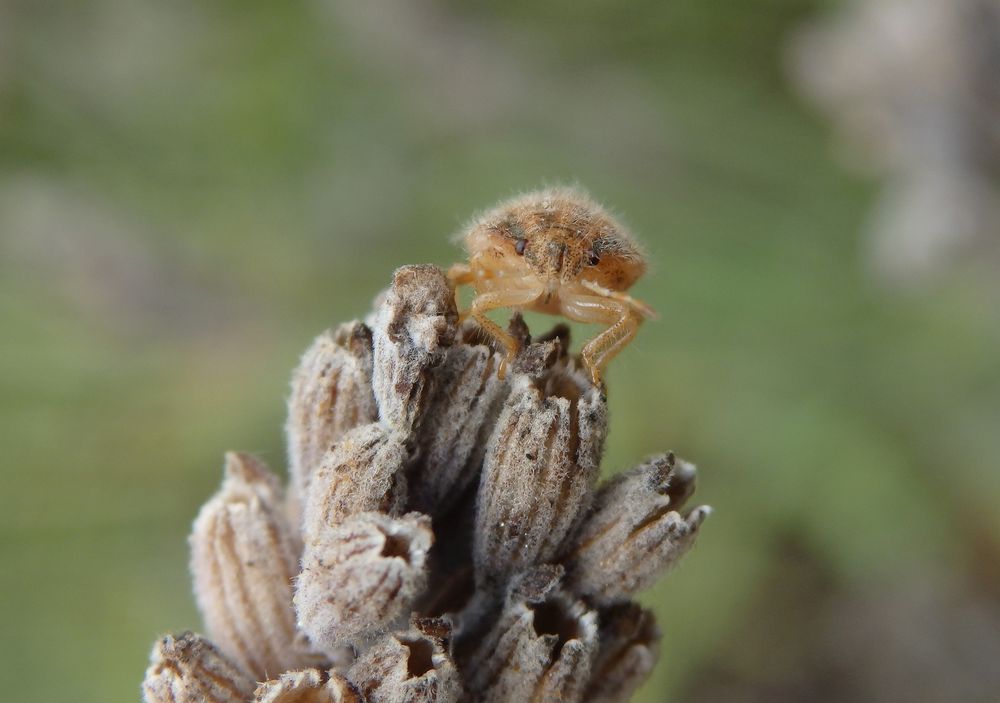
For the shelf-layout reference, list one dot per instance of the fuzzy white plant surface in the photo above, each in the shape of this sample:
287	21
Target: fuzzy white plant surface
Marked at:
442	537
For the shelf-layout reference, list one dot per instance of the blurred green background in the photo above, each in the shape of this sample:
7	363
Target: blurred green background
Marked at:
189	192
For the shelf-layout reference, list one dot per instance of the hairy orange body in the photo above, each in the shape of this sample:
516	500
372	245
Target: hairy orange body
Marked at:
555	251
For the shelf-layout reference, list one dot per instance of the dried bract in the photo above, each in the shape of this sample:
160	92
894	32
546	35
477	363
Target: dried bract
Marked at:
331	394
187	668
415	324
536	652
539	471
635	531
363	472
464	403
407	667
630	646
244	556
361	576
308	686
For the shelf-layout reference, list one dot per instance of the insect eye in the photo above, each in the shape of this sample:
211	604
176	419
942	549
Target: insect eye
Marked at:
519	246
594	259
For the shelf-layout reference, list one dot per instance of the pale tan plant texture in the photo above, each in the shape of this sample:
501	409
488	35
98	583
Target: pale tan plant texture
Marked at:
442	536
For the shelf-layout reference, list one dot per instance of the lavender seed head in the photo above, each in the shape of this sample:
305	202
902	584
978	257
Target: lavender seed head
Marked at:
443	537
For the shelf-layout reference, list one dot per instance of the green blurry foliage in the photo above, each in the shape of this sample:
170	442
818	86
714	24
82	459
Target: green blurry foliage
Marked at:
190	192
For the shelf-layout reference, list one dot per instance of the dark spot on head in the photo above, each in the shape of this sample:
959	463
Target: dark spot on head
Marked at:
519	246
594	258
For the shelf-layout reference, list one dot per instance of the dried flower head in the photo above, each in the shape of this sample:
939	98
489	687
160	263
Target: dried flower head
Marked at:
331	394
629	645
635	531
407	667
361	576
447	541
541	649
308	686
414	325
464	402
540	468
187	668
362	473
244	556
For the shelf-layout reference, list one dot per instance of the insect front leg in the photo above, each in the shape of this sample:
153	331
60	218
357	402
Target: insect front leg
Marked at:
460	275
469	274
619	336
622	321
509	298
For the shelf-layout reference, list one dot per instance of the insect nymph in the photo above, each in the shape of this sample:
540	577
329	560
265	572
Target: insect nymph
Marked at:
558	252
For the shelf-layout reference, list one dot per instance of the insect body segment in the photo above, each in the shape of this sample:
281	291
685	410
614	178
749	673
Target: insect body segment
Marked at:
555	251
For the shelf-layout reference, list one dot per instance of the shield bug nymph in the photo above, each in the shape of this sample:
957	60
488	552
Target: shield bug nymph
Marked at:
555	251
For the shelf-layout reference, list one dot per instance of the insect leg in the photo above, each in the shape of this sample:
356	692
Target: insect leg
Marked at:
459	275
511	298
622	321
625	333
636	304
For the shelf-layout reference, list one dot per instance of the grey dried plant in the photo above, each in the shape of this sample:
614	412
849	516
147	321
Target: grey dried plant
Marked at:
442	536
